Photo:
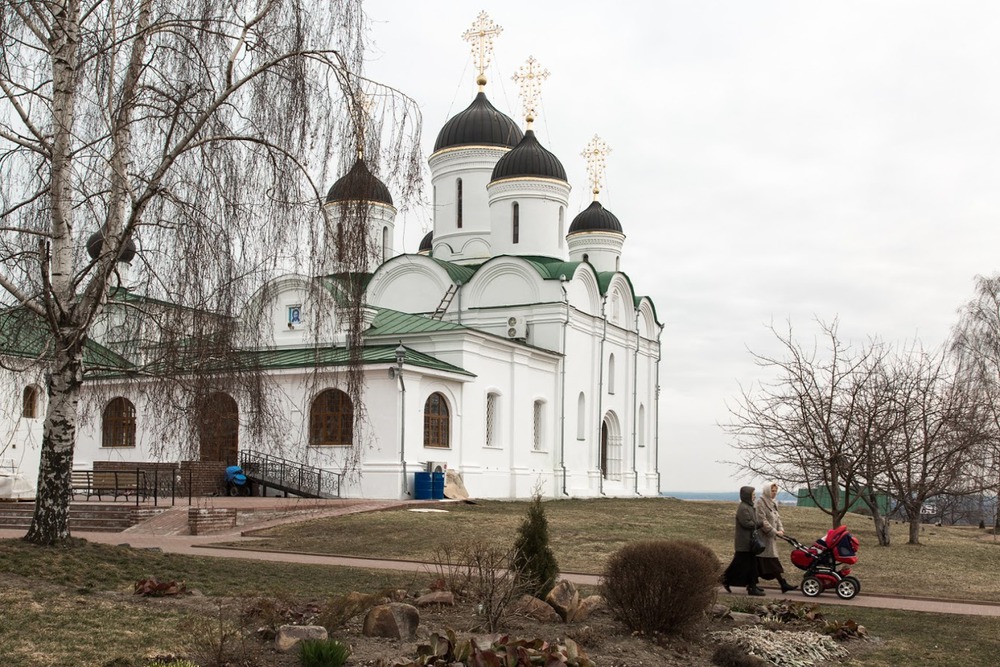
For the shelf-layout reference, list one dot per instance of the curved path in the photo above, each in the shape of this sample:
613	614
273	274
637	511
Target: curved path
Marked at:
167	533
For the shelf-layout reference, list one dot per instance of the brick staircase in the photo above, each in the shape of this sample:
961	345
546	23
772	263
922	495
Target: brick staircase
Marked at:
82	516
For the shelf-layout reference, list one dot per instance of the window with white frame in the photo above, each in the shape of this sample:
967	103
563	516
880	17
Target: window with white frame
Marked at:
492	419
642	425
539	425
611	374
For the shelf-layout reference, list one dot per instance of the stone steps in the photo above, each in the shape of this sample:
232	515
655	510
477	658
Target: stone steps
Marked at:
82	516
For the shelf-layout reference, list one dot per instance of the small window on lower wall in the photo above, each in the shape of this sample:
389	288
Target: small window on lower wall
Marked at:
29	402
539	426
118	423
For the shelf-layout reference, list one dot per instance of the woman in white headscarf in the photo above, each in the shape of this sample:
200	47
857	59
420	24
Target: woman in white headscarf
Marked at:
768	563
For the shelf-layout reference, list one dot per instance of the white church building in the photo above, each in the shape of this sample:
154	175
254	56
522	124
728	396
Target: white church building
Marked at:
511	346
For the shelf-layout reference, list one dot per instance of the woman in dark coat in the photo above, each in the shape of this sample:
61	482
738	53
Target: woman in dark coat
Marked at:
768	564
742	571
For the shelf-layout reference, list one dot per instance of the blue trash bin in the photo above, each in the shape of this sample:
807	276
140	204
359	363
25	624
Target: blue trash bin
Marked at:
437	485
422	486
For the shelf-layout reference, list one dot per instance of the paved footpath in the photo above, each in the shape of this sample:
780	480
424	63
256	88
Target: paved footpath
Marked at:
166	533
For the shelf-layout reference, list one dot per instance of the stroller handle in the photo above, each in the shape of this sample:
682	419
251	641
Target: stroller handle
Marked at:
791	540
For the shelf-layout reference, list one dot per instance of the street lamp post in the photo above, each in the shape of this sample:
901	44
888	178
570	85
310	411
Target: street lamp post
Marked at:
396	373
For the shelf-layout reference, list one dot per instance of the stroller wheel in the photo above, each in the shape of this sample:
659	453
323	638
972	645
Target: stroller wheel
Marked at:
234	490
811	587
848	588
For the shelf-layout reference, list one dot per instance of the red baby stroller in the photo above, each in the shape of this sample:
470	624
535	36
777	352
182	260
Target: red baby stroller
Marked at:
825	563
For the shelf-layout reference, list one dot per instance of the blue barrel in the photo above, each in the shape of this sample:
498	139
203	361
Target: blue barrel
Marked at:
437	485
422	486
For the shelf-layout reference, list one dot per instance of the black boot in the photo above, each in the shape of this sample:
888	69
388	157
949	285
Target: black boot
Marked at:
785	586
755	590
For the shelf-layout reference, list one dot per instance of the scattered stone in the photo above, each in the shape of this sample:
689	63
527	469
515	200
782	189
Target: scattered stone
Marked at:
588	606
437	597
739	618
536	609
290	635
395	621
150	587
564	598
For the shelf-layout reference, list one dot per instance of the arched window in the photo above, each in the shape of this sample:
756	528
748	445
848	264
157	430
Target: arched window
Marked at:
118	423
492	419
437	421
538	425
331	419
340	241
458	203
515	224
581	417
29	402
586	257
562	231
385	244
611	374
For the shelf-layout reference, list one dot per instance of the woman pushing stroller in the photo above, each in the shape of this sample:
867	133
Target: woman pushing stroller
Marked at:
770	528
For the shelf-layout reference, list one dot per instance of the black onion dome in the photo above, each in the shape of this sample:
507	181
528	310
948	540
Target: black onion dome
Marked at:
425	243
479	125
359	184
595	218
96	242
529	158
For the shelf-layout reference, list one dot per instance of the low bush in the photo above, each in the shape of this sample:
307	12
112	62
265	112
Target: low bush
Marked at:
663	586
323	653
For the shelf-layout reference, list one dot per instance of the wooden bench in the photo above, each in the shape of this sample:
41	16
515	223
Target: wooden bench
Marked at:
100	483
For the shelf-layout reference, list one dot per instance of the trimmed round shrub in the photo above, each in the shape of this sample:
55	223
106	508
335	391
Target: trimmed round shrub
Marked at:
662	586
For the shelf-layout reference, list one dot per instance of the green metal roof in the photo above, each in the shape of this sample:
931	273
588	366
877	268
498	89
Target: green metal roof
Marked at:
24	334
322	357
459	273
394	323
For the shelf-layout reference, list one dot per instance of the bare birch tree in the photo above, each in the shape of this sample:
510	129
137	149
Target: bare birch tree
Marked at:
976	346
811	424
196	135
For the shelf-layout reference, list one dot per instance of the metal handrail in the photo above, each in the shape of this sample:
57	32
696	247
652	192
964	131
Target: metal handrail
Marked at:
293	476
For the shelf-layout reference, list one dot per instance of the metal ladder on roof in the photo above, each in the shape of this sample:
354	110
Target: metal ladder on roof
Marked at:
445	302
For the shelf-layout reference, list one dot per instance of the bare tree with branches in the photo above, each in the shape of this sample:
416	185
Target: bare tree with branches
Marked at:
814	423
191	137
940	425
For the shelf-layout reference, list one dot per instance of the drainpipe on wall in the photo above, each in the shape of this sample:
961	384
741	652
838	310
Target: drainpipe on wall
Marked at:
635	404
562	389
600	395
656	436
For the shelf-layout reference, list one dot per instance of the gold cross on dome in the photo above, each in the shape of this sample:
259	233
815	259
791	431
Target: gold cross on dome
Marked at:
529	77
362	108
594	153
481	36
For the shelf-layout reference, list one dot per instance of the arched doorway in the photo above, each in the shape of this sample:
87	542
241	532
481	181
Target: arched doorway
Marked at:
611	447
218	429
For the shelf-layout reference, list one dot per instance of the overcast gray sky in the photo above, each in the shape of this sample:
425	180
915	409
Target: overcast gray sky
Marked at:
771	161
